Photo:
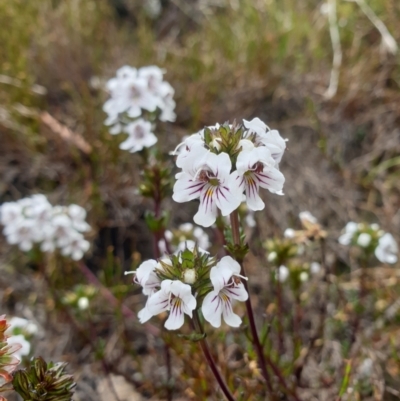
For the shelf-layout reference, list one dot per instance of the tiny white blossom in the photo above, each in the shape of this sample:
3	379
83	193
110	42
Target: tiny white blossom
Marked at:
175	297
282	273
289	233
363	240
24	325
225	278
349	231
21	340
208	178
140	136
387	249
308	217
255	169
83	303
315	268
304	276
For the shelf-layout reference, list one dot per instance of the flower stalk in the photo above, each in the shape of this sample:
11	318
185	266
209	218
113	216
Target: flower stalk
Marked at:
210	360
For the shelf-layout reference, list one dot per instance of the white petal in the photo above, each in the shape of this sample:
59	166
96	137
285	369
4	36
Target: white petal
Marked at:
144	315
212	308
207	213
158	302
186	189
176	317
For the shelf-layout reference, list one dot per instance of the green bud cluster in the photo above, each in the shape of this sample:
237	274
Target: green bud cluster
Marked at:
191	267
44	382
225	139
282	249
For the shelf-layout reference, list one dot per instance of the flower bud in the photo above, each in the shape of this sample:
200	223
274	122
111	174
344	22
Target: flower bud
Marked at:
189	276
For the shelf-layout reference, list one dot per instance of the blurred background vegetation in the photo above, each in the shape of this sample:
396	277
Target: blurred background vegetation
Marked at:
226	59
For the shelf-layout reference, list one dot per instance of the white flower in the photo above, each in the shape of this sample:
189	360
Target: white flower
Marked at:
308	217
304	276
289	233
225	278
140	136
207	177
364	239
184	148
255	169
83	303
129	95
34	220
268	138
375	226
175	297
386	251
282	273
77	215
272	256
23	324
349	231
76	247
22	233
315	268
10	212
25	345
146	276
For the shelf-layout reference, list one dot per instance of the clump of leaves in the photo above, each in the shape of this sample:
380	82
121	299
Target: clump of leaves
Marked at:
44	382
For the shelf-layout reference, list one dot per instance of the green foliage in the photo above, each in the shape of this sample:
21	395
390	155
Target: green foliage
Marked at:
44	382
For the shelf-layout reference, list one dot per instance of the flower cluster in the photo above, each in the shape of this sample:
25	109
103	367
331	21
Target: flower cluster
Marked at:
180	283
222	162
186	236
34	220
372	239
137	97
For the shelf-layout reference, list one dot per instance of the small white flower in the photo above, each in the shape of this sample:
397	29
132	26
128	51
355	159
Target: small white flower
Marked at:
387	249
349	231
272	256
25	345
304	277
363	240
225	278
208	178
140	136
282	273
146	276
83	303
308	217
289	233
25	325
315	268
175	297
77	215
76	247
255	169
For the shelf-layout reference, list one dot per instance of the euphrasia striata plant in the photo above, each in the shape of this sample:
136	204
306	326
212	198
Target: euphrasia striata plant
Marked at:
34	220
